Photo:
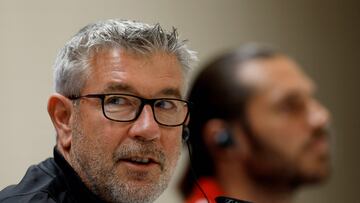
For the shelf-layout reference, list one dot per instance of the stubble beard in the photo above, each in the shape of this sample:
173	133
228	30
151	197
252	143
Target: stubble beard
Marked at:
102	178
271	167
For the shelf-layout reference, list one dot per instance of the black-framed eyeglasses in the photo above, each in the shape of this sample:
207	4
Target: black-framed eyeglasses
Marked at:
125	108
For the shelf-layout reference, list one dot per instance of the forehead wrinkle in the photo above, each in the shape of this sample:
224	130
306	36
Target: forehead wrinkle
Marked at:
121	70
277	77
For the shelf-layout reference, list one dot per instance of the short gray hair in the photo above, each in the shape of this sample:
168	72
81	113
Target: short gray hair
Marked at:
71	68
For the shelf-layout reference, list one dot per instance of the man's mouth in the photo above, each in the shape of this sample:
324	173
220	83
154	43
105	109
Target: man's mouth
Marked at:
139	160
320	144
320	140
140	157
139	166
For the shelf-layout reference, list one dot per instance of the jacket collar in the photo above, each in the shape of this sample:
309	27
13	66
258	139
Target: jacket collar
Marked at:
73	182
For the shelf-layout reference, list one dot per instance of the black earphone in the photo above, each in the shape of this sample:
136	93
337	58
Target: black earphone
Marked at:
224	139
185	133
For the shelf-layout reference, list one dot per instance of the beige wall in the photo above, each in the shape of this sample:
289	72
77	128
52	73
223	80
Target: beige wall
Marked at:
322	35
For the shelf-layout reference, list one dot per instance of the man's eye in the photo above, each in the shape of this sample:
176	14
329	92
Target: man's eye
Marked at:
165	104
116	100
293	106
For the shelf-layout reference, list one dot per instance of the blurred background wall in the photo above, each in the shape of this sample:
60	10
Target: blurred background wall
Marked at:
324	36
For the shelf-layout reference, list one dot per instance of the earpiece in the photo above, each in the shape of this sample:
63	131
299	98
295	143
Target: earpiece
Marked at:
224	139
185	134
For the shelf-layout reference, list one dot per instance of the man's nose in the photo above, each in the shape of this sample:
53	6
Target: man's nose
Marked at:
319	115
145	127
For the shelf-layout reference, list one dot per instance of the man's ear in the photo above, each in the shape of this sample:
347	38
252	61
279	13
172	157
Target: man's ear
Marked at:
239	146
211	130
60	110
187	120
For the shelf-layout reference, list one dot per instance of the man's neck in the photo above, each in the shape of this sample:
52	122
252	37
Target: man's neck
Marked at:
236	182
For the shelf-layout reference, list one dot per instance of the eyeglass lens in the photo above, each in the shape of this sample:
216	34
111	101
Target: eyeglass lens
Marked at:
126	108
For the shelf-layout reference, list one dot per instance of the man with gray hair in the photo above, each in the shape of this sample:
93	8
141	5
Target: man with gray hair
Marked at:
118	113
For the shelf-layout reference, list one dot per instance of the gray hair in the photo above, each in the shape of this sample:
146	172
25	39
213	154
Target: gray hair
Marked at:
72	63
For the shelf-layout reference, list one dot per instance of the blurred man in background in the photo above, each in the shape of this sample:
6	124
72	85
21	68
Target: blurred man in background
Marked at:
257	131
119	116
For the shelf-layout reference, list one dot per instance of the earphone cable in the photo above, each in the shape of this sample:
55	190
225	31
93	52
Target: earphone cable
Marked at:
194	173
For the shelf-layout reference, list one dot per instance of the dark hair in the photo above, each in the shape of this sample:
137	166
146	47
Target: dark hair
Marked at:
217	93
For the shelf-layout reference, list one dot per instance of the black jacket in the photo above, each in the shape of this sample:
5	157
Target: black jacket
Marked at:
53	180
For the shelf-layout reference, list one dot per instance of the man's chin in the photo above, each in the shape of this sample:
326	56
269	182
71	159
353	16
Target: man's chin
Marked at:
320	175
131	190
316	169
139	184
138	178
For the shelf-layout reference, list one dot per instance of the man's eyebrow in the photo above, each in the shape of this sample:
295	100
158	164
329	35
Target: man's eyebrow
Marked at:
118	87
292	96
171	92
